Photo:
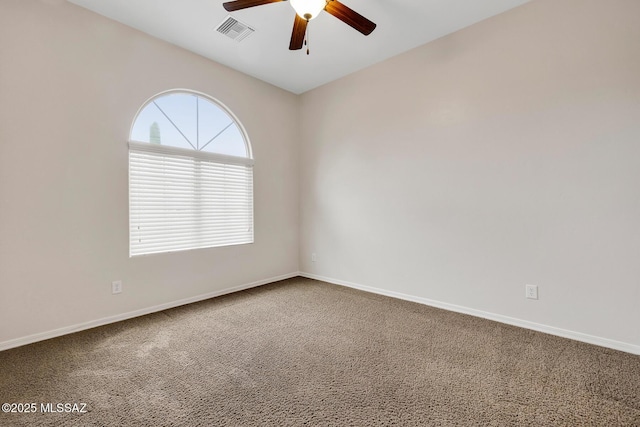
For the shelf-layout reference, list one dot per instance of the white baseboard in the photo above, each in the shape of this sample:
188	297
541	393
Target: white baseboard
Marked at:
578	336
5	345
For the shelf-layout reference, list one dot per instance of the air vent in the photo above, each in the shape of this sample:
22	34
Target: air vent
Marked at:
234	29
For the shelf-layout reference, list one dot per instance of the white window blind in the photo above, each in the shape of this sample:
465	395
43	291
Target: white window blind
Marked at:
183	199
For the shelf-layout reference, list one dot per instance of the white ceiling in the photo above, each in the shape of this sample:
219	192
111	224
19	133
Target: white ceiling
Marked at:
336	48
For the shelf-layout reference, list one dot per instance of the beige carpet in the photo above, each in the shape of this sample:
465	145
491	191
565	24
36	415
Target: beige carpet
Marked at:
302	352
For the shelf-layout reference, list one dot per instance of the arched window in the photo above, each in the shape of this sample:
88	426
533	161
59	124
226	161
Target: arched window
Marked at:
190	176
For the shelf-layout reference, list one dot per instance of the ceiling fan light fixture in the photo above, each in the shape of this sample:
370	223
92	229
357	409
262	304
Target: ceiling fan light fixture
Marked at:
308	9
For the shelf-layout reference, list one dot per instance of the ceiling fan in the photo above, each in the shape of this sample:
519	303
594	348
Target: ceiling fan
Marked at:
306	10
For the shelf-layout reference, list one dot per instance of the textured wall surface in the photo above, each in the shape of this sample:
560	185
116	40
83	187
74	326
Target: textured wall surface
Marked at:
504	154
71	83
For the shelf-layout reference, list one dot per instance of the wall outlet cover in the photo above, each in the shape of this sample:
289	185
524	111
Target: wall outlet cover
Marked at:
116	287
531	291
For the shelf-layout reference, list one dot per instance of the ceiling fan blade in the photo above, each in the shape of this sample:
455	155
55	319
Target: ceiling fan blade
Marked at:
299	30
350	17
230	6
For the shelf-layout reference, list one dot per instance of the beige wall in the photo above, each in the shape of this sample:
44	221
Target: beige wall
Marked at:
70	85
504	154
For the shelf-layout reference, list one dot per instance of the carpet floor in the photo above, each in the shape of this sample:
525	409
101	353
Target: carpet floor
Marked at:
303	352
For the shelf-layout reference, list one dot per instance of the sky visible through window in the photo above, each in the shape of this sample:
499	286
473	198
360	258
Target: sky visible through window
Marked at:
191	122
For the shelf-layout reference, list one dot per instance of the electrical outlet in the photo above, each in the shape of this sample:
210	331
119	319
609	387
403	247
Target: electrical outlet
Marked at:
531	291
313	257
116	287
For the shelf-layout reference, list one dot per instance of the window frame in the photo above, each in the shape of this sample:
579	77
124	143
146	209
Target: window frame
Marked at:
207	156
